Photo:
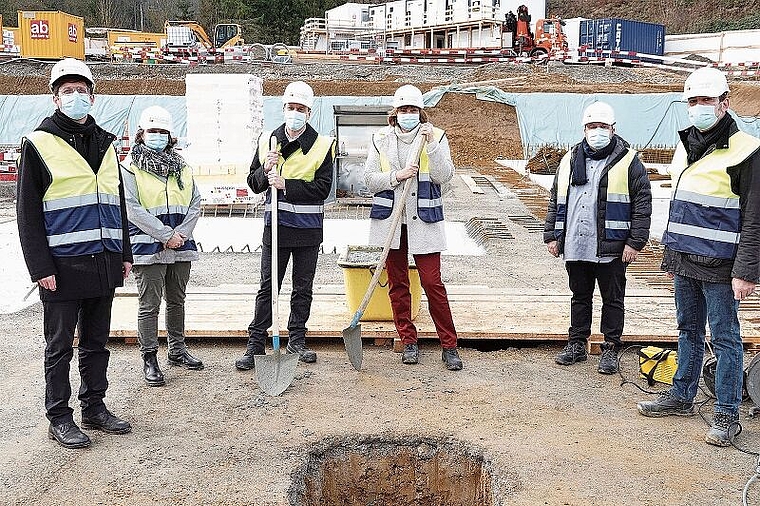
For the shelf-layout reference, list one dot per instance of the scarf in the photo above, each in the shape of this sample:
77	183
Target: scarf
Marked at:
585	151
84	141
699	142
162	163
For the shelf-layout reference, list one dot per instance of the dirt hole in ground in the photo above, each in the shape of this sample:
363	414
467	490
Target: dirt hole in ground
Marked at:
375	471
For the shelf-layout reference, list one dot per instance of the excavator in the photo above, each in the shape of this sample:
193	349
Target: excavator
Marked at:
183	35
549	37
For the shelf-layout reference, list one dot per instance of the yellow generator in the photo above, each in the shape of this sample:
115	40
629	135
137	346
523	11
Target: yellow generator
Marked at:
657	365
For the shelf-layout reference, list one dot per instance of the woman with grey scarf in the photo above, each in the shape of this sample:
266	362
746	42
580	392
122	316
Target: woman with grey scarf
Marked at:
163	206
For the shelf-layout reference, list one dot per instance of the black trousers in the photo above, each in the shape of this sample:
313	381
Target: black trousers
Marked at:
304	268
93	316
611	280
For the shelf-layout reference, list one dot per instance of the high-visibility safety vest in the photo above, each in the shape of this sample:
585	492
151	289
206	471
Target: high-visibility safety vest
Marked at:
163	199
429	201
705	217
81	209
617	219
301	166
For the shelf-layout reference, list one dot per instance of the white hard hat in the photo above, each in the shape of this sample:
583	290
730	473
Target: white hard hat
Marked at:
599	112
70	67
408	95
705	82
156	117
298	92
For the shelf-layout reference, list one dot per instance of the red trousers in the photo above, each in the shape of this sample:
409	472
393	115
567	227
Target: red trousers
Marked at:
429	268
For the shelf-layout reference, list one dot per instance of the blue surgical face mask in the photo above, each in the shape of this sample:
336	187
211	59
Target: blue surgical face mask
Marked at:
294	120
408	121
75	105
156	140
598	138
702	116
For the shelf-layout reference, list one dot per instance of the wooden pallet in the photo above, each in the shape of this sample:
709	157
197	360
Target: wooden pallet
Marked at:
480	313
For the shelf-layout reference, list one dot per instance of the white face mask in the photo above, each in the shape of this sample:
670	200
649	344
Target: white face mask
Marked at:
294	120
408	121
702	116
75	105
598	138
156	140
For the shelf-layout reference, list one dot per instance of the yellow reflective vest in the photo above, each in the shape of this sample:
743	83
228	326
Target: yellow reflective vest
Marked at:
705	217
82	209
299	165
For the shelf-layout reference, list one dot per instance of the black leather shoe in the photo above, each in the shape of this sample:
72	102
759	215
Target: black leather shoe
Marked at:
107	422
185	360
304	354
68	435
153	375
246	362
451	357
411	354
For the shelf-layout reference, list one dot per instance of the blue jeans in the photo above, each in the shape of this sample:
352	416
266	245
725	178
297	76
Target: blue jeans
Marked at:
698	302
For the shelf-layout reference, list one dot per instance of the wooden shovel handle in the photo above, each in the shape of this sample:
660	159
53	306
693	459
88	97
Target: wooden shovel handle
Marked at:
395	220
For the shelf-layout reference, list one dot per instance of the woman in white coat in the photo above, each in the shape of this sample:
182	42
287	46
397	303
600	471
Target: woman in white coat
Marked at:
391	162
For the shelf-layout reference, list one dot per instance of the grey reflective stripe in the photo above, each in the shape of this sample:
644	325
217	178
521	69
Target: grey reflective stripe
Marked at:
107	198
559	225
618	197
707	200
704	233
617	225
429	203
178	209
143	259
74	237
142	239
423	176
382	201
296	208
161	210
111	233
561	198
70	202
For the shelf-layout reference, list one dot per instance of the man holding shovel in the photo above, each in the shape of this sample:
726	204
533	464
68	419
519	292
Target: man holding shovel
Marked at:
300	169
391	163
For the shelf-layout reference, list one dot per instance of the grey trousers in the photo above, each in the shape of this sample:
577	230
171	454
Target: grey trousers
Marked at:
154	282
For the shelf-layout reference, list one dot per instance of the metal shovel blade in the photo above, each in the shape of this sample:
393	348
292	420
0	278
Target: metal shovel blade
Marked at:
352	339
275	372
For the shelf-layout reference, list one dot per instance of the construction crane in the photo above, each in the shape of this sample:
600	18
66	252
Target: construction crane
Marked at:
549	37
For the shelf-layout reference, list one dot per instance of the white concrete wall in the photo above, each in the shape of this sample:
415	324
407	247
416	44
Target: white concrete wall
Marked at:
731	47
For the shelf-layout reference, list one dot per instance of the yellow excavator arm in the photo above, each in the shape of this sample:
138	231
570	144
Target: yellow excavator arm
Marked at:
225	34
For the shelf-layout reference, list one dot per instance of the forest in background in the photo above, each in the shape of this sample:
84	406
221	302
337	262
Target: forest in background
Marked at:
271	21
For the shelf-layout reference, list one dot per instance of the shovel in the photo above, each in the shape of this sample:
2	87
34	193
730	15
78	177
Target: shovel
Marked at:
275	372
352	335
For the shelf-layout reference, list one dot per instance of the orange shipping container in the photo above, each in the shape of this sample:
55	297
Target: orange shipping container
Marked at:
50	34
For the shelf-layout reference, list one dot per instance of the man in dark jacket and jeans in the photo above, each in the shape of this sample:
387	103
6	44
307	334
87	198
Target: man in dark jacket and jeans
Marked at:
598	218
73	228
712	250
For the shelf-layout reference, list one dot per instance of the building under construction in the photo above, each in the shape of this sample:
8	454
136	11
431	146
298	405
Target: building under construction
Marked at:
414	24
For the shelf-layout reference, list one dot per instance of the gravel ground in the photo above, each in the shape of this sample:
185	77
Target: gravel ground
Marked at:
543	434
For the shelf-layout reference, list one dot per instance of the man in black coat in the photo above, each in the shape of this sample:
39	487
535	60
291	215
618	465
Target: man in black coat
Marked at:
74	236
598	218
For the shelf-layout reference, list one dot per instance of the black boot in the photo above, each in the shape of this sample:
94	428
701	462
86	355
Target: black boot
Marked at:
246	362
451	358
153	375
304	354
186	360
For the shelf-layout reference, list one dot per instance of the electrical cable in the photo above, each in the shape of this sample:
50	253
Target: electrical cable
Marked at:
624	381
660	123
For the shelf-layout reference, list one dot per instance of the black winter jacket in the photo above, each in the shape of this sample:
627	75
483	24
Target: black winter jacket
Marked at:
296	191
641	205
745	183
78	277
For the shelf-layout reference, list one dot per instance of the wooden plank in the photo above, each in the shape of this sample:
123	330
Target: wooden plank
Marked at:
479	313
471	184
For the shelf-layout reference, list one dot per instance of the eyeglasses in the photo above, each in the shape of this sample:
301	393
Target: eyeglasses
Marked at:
82	90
